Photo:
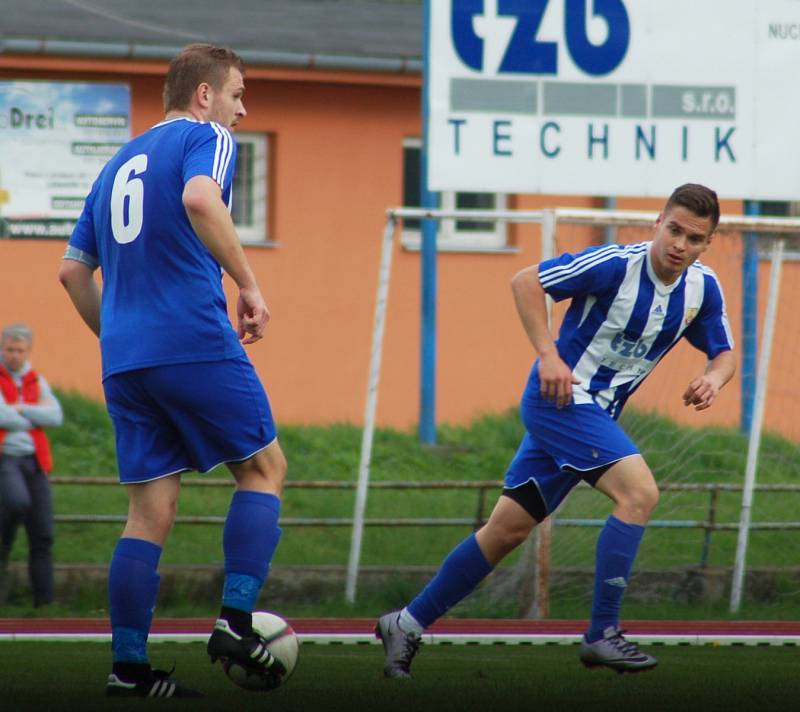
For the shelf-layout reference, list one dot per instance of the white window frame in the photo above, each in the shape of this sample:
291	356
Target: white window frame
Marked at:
255	233
451	239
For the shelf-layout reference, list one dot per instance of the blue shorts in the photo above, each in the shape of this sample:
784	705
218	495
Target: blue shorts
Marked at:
188	416
563	447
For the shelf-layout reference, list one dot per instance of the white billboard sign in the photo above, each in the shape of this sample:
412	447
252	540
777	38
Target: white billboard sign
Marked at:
615	97
54	139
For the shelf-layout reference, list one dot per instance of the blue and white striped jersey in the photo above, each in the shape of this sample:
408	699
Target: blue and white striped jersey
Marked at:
162	299
623	318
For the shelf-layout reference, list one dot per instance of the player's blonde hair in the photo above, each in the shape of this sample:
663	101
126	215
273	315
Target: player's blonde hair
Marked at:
197	63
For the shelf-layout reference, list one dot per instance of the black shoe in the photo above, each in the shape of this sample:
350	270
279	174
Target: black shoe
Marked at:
157	684
250	651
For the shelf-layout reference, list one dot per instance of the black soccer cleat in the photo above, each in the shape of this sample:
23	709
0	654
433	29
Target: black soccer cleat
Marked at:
158	683
399	647
249	651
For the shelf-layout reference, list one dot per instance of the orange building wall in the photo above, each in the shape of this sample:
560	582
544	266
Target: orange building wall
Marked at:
336	166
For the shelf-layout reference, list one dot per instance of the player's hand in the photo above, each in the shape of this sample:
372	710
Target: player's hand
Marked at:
701	392
252	314
556	379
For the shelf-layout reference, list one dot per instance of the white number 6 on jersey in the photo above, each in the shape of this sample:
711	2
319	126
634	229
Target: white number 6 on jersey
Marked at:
125	186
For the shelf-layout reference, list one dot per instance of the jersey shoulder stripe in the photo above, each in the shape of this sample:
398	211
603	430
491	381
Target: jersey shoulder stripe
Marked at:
559	273
707	273
706	270
587	255
222	153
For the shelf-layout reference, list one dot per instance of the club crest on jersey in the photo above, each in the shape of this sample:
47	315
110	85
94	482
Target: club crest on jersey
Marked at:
691	313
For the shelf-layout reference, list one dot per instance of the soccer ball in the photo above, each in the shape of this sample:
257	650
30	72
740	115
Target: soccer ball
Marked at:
281	642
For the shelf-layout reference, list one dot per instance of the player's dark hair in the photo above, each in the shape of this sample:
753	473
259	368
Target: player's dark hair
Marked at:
697	199
197	63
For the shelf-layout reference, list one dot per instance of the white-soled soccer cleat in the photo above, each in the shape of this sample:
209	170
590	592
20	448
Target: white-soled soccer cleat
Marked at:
400	647
250	651
613	651
157	683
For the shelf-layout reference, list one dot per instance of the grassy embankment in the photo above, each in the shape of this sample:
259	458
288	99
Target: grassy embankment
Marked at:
481	451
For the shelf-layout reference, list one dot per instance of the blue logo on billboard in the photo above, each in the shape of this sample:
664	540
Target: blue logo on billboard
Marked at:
525	54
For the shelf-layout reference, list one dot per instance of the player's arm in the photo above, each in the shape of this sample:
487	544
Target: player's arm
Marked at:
202	198
710	332
78	279
702	391
554	375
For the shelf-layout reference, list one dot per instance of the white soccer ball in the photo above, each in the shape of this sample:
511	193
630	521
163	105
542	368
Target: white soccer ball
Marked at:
281	642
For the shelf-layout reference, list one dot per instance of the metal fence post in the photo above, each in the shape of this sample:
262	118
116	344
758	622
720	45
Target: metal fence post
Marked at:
712	520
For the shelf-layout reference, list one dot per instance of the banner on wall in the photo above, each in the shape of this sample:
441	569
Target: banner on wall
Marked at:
54	139
614	97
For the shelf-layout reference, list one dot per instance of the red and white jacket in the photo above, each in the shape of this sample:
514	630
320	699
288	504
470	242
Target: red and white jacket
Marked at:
30	393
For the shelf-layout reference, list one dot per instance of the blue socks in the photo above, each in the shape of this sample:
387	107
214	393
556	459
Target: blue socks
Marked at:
132	592
463	569
249	540
617	546
250	537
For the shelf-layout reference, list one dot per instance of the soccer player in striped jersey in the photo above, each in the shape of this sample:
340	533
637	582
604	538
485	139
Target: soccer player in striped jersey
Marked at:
630	305
180	390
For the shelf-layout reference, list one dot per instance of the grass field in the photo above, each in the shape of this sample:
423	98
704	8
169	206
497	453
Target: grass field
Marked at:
71	676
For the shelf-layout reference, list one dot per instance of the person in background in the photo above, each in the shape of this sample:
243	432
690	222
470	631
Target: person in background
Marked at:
27	406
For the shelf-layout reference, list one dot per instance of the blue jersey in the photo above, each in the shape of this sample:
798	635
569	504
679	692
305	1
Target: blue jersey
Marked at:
162	299
623	319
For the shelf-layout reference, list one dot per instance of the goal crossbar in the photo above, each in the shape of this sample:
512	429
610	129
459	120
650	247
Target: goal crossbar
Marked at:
595	216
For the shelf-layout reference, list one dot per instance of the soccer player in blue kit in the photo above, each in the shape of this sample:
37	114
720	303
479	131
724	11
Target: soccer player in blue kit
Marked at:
180	390
630	305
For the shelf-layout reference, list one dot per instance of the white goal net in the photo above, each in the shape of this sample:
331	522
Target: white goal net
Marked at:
723	535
